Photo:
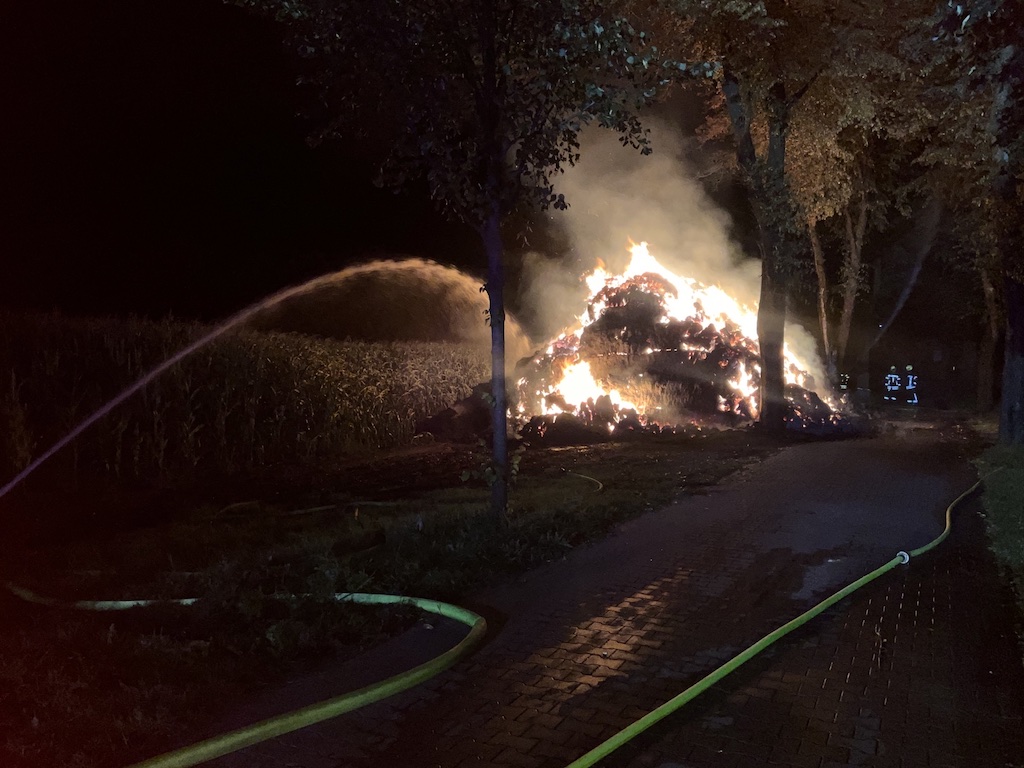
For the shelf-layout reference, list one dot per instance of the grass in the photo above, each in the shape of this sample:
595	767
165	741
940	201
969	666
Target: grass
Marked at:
1004	508
89	690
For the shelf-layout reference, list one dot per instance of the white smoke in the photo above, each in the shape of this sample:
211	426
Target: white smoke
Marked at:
616	195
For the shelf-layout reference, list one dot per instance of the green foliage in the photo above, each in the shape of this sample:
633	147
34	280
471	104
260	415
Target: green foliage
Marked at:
484	100
1004	507
246	401
487	472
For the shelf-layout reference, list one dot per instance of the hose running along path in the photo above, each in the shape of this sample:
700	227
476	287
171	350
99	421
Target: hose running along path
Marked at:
633	730
300	718
233	741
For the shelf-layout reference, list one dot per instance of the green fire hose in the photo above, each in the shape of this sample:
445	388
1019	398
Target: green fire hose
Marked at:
633	730
315	713
233	741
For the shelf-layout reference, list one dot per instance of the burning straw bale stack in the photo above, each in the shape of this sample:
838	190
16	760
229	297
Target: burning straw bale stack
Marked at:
653	371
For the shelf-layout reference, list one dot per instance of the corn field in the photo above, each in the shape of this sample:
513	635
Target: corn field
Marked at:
248	400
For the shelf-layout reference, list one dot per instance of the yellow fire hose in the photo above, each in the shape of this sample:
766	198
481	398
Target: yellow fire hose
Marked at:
315	713
233	741
636	728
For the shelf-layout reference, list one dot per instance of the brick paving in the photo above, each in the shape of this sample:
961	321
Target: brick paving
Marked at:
918	669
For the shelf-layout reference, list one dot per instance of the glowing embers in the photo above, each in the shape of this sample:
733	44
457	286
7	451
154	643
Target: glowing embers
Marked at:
651	347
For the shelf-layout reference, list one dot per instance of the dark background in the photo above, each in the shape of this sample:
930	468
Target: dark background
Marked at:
151	161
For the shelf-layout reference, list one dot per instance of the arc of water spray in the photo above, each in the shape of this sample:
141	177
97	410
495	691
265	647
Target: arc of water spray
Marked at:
231	322
221	329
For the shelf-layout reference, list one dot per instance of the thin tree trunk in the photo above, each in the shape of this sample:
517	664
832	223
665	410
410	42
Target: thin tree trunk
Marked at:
492	164
1011	408
851	277
989	339
499	407
819	270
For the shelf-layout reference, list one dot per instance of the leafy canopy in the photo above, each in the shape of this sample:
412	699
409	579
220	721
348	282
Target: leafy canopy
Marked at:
482	98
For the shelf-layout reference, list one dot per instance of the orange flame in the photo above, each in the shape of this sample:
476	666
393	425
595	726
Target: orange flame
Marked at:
683	298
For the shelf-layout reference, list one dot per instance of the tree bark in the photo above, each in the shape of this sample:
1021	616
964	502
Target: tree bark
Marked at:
491	236
492	165
766	184
819	270
775	215
851	277
771	324
1011	408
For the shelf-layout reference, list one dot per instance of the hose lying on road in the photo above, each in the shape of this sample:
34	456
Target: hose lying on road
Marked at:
300	718
314	713
633	730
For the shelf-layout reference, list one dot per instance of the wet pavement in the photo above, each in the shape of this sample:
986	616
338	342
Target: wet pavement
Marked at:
920	668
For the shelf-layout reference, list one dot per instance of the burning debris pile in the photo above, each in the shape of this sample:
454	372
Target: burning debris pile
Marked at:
657	352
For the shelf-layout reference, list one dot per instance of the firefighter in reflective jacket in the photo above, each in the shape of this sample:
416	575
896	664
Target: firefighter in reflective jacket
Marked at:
910	389
893	384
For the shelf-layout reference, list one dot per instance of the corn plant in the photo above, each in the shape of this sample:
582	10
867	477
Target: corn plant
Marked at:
246	401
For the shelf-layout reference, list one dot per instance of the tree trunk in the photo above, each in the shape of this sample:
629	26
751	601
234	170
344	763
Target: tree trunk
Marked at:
989	338
499	406
766	183
776	215
819	270
1011	409
851	277
492	162
771	324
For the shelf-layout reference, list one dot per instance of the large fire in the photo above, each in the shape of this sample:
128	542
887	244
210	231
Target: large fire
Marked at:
655	348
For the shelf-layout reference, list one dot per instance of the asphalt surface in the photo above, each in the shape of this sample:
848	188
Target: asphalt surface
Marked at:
921	668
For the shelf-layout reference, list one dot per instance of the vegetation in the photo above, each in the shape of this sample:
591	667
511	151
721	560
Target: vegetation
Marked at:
811	93
1004	500
85	690
484	101
247	401
843	114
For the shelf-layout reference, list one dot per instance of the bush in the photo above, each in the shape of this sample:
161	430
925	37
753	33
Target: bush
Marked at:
247	400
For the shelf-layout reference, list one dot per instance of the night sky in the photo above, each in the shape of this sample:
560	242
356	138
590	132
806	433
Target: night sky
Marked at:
151	161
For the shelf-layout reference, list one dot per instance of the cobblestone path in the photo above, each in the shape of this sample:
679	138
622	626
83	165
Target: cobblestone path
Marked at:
918	669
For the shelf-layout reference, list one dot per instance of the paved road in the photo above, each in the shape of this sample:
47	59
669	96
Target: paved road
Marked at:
919	669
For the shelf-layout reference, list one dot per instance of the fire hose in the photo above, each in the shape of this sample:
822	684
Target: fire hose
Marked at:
233	741
315	713
633	730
